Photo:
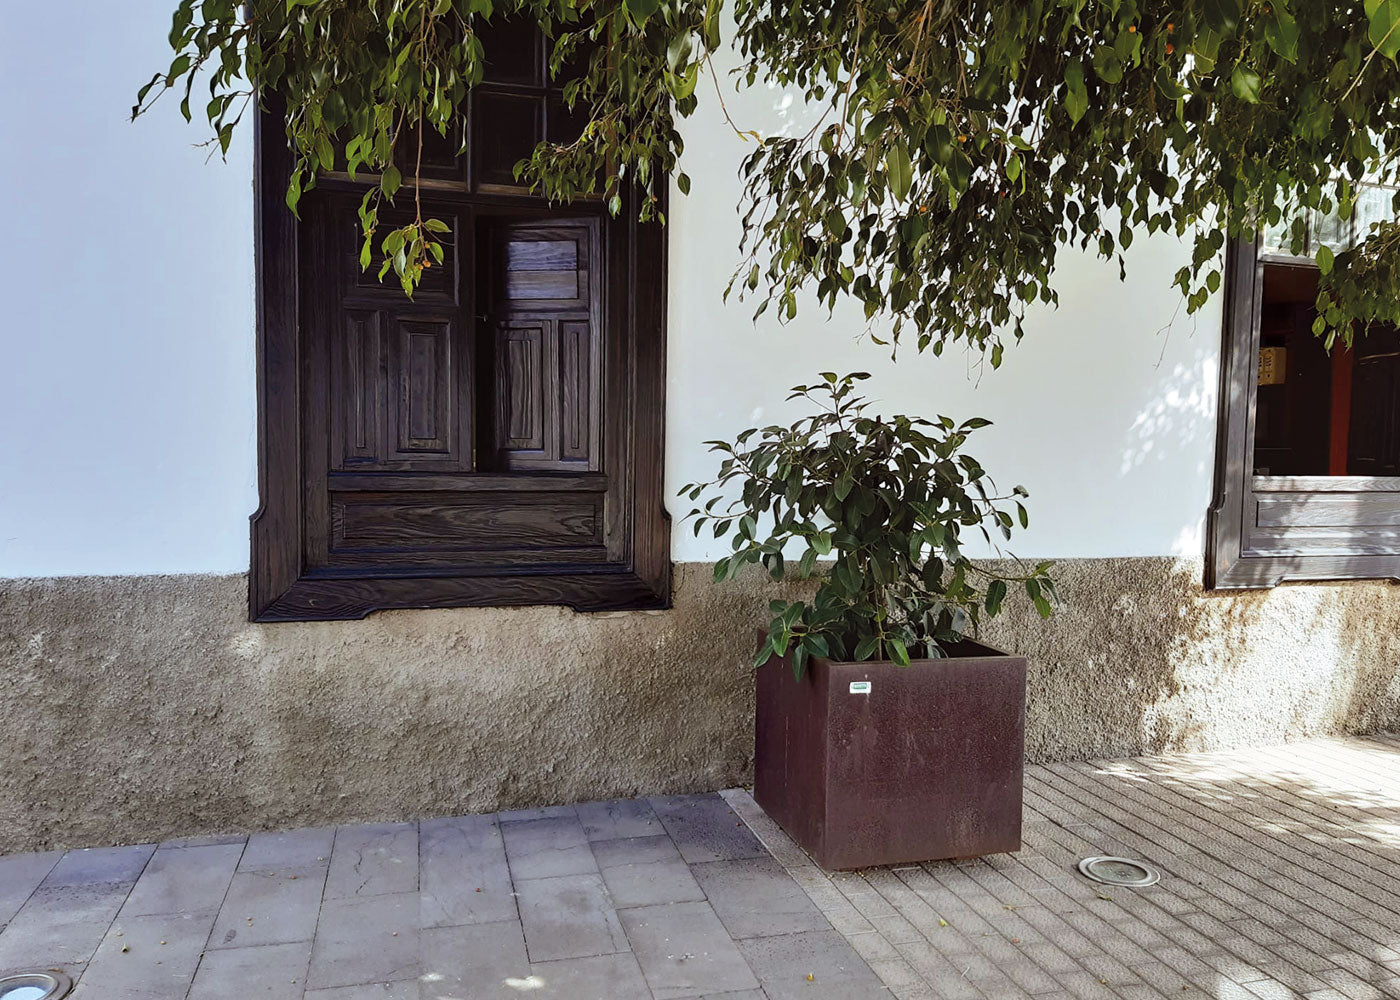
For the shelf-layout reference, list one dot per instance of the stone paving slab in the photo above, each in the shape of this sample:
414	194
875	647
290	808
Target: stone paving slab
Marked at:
266	908
373	860
684	951
273	970
568	916
1281	879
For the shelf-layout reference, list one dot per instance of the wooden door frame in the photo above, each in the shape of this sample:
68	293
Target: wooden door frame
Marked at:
280	585
1359	538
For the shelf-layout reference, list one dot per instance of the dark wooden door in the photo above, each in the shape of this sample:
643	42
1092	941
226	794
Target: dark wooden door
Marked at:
542	299
496	439
460	430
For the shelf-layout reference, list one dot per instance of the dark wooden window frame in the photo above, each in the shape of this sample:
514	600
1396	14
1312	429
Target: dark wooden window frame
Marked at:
1265	530
283	588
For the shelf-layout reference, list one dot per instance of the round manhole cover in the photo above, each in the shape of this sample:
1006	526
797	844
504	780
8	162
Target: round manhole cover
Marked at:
35	986
1111	871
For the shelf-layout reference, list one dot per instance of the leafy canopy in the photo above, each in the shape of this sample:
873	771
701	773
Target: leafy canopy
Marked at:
960	143
360	82
888	500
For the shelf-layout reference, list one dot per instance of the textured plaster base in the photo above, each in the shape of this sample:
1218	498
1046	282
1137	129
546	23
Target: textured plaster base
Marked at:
140	708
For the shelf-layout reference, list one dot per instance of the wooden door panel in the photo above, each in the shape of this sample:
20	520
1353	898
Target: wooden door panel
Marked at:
507	129
357	423
545	290
399	390
1327	510
543	267
576	417
1375	438
523	403
545	270
425	393
403	490
441	285
428	522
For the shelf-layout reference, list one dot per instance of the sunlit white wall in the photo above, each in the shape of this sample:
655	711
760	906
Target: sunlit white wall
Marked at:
127	409
1105	411
126	268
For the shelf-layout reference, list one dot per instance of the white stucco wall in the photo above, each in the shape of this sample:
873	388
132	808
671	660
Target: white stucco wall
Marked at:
126	380
1105	411
126	390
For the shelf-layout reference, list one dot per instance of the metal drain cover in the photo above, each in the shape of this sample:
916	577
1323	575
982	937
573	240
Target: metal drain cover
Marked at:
1110	871
35	986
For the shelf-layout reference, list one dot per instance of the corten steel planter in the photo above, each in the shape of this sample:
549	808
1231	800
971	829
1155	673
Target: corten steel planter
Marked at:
926	765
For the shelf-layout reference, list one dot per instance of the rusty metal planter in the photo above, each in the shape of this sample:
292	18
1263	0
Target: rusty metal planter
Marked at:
926	764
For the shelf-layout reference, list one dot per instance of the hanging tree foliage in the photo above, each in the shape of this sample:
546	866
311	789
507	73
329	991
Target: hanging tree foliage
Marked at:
959	144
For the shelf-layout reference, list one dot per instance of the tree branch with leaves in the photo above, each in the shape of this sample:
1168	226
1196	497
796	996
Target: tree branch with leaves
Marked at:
960	144
362	82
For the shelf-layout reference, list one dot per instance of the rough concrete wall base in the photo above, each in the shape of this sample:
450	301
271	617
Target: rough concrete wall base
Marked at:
140	708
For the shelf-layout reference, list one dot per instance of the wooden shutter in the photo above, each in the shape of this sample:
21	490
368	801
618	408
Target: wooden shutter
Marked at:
544	315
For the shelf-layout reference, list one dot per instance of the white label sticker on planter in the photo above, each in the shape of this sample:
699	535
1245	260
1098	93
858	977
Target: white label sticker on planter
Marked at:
860	687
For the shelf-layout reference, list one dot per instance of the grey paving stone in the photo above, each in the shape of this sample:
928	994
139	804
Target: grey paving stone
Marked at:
184	880
271	852
705	828
603	977
740	995
100	866
668	881
408	989
273	970
755	897
463	876
545	848
209	840
151	957
475	962
373	859
569	916
782	965
20	875
369	939
263	908
783	848
684	951
634	851
616	818
60	926
543	812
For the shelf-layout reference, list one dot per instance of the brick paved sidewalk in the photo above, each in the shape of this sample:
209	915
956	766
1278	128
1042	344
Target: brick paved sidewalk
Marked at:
1281	879
667	897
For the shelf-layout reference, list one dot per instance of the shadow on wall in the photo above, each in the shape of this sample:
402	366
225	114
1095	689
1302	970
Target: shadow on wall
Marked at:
1140	659
1175	430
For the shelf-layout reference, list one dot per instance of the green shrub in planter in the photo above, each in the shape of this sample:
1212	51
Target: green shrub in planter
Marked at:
887	500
